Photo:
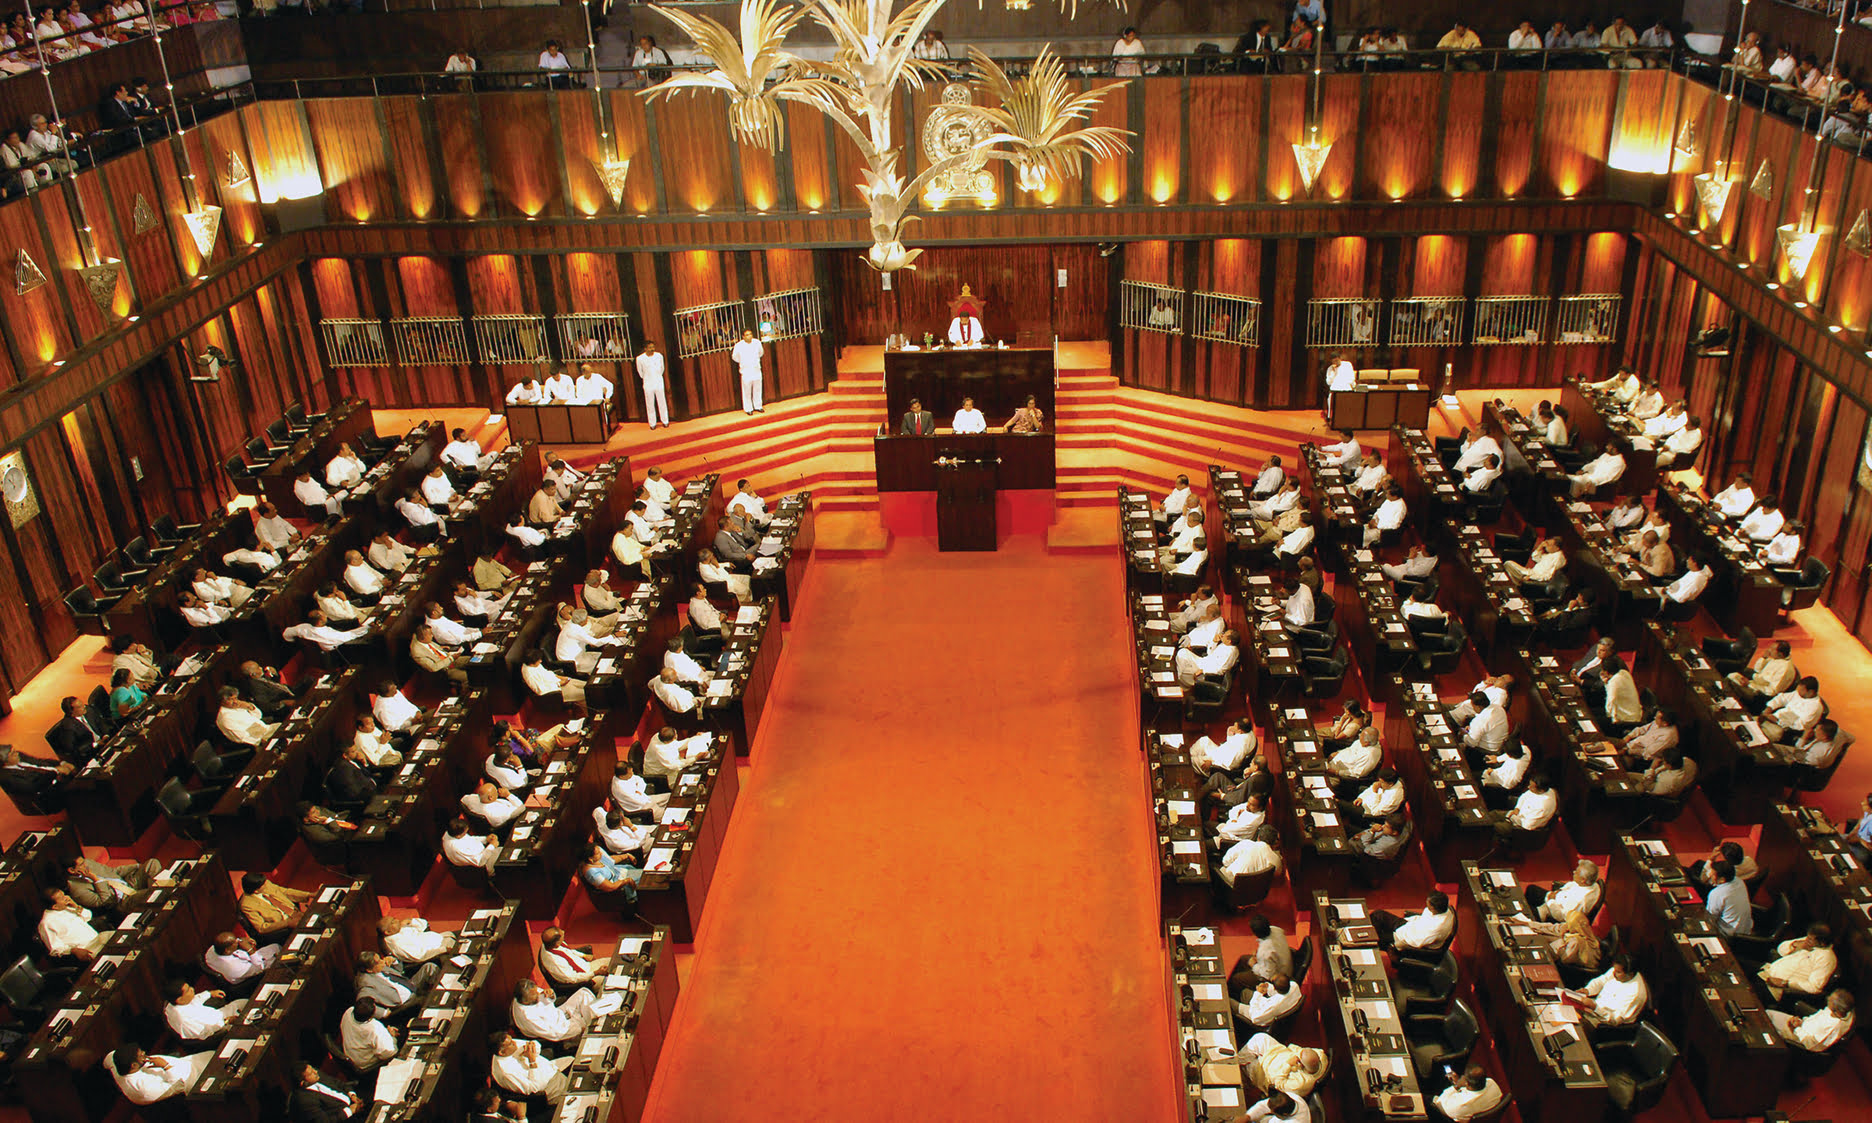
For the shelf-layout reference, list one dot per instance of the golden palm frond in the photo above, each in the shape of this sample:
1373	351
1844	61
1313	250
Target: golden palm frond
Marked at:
1038	121
752	70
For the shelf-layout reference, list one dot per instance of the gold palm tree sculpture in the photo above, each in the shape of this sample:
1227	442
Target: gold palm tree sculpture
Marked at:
1037	125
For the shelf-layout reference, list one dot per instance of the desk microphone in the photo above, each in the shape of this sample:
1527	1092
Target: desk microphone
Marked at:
1734	1012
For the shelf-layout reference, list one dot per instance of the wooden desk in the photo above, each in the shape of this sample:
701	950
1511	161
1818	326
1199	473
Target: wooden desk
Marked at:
1495	953
1593	419
148	612
546	845
1739	769
396	472
1182	855
448	1038
617	1055
446	755
1445	793
560	423
1811	863
1375	629
597	511
909	463
1744	593
1137	541
1355	983
1161	697
999	379
343	423
747	664
680	856
1204	1020
1319	849
1595	804
620	679
284	598
1529	469
254	821
1483	595
1379	406
36	862
792	526
1738	1067
1430	490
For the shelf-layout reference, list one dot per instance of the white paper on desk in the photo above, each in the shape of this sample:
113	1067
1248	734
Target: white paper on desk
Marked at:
1501	879
1464	791
1210	992
521	834
1214	1039
1186	846
1755	736
483	648
659	856
1376	1011
1182	807
1277	653
1392	1065
1350	910
460	960
229	1048
1710	944
395	1077
1173	740
1588	727
1156	623
748	614
1303	746
301	942
1362	957
1448	754
1653	847
593	1044
1222	1095
1163	676
329	894
1325	819
483	914
606	665
1315	783
1436	722
609	1003
675	815
1260	579
1296	715
269	991
1199	937
1163	650
721	688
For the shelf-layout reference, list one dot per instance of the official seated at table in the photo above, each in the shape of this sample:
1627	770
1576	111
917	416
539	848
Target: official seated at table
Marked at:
1359	759
238	959
616	833
338	607
1471	1094
560	386
107	889
323	828
36	778
475	605
411	941
66	931
367	1042
464	453
1616	998
210	588
319	503
391	985
492	577
1429	930
1278	1107
1623	386
387	555
917	421
668	754
273	531
1418	564
1344	452
1653	555
199	1015
323	1099
1819	1031
145	1079
535	1014
268	908
1792	712
1214	662
346	469
543	682
1371	478
1762	524
1581	893
631	795
1388	518
1269	1001
1257	853
240	721
1533	809
1686	588
1237	745
1783	552
258	561
363	579
517	1067
1483	715
1243	821
493	804
1803	967
1475	452
507	770
1027	420
1269	479
968	419
594	622
461	846
1383	839
199	614
1606	468
1648	404
566	965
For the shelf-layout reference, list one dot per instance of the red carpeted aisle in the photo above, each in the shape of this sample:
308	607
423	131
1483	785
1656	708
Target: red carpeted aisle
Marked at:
938	896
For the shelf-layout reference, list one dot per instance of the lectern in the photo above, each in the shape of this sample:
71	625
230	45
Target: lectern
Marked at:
965	503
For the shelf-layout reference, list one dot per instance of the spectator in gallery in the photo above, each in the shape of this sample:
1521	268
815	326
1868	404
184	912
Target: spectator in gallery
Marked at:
1129	46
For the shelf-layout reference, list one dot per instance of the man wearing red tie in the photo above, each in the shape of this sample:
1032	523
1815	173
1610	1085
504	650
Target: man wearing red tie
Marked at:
919	422
566	964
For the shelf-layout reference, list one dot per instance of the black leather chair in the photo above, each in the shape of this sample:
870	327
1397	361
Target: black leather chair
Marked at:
260	452
1637	1071
86	613
110	577
1317	640
28	992
143	555
213	766
280	432
1803	591
1427	988
1440	655
168	531
1771	925
131	571
298	418
1429	956
1731	655
1436	1040
1250	889
1302	959
187	811
1205	699
1323	678
238	469
1516	547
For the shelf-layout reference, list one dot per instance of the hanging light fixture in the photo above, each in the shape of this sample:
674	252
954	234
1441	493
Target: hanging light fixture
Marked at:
1800	238
1859	236
27	275
1312	155
1762	185
98	273
237	172
1687	139
204	222
613	173
1714	190
1797	247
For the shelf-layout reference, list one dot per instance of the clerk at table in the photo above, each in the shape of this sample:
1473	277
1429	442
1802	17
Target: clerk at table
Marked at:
917	421
968	419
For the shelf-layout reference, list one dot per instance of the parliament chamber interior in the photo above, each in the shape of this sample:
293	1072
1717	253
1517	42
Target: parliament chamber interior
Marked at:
915	559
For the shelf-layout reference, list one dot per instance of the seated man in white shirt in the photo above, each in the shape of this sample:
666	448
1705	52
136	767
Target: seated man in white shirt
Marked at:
197	613
1764	522
235	959
1478	452
462	847
337	606
1555	901
1738	499
1176	500
1296	604
1532	811
1793	712
319	503
319	630
388	555
1783	551
529	392
1819	1032
1690	584
1268	482
1269	1002
669	754
494	804
374	742
1297	541
542	681
425	525
517	1067
561	387
1483	476
529	538
1258	853
197	1015
1243	822
564	478
65	928
575	643
1389	517
1285	498
365	582
617	833
1343	453
1469	1095
145	1079
465	454
632	796
1359	759
446	631
272	531
1425	931
1680	448
1371	477
1543	565
409	939
1218	660
346	470
749	505
472	602
535	1015
436	489
670	691
1618	997
1237	746
591	386
1648	404
1383	796
568	965
366	1041
1418	564
1603	469
968	419
1803	966
240	720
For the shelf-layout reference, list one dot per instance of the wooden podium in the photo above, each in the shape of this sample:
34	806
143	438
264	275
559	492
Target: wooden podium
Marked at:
965	503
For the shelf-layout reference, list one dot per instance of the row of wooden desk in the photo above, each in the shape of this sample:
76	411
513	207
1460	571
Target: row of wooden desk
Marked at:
1182	853
343	423
550	839
1022	461
254	822
681	855
447	749
1445	794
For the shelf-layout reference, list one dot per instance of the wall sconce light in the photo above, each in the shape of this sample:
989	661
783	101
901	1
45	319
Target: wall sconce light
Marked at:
203	225
613	174
1859	236
142	215
27	275
1687	139
1797	247
237	172
1714	191
1762	186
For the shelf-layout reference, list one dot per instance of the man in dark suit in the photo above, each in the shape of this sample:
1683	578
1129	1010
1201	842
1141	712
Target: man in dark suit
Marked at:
262	686
381	979
323	1099
74	738
24	775
323	828
349	782
919	422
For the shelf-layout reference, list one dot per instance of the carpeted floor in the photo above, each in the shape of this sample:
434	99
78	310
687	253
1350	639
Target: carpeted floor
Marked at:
938	899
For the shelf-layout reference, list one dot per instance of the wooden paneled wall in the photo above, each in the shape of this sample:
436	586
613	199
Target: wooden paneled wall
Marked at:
1020	283
1285	273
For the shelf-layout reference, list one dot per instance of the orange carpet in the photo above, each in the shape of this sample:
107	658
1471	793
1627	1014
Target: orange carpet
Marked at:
938	898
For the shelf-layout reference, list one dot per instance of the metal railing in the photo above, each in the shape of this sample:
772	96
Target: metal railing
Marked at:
1225	318
1342	322
1150	307
354	343
594	336
510	340
1510	319
1588	318
1426	321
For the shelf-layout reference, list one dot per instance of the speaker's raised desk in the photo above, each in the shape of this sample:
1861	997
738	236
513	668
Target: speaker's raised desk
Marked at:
1000	379
909	463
